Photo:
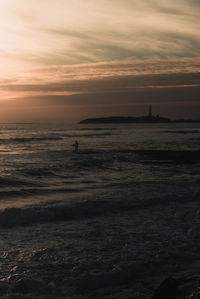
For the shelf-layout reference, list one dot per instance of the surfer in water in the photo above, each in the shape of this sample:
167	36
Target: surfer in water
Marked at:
75	145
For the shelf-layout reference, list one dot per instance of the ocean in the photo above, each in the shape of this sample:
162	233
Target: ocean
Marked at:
109	221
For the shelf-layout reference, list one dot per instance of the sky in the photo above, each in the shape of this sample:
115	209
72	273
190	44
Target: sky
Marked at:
66	60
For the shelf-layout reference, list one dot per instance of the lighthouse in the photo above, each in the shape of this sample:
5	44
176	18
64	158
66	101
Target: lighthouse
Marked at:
150	111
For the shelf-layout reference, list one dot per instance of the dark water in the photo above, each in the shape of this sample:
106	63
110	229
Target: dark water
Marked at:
101	222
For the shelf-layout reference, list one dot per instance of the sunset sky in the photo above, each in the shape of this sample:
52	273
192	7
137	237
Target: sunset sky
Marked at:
66	60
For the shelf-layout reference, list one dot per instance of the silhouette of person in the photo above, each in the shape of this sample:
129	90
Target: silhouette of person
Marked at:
75	145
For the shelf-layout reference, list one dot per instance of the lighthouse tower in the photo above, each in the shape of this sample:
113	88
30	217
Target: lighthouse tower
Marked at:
150	111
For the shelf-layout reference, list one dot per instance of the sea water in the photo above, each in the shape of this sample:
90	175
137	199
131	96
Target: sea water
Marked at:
102	221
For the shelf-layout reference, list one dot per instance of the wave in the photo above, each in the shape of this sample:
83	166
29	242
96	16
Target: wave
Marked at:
91	159
96	129
11	182
88	135
129	155
183	131
178	156
197	139
28	139
28	192
11	217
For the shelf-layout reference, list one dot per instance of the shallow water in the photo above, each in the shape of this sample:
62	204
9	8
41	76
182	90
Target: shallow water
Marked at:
110	220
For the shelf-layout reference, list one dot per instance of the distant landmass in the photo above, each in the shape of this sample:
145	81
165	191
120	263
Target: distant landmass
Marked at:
141	119
120	119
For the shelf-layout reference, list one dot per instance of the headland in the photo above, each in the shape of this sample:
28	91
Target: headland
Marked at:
150	118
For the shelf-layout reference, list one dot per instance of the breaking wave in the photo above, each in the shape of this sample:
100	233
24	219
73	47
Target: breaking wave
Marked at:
11	217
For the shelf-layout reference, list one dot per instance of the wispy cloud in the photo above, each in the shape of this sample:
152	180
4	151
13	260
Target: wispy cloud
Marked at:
127	71
70	32
77	53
